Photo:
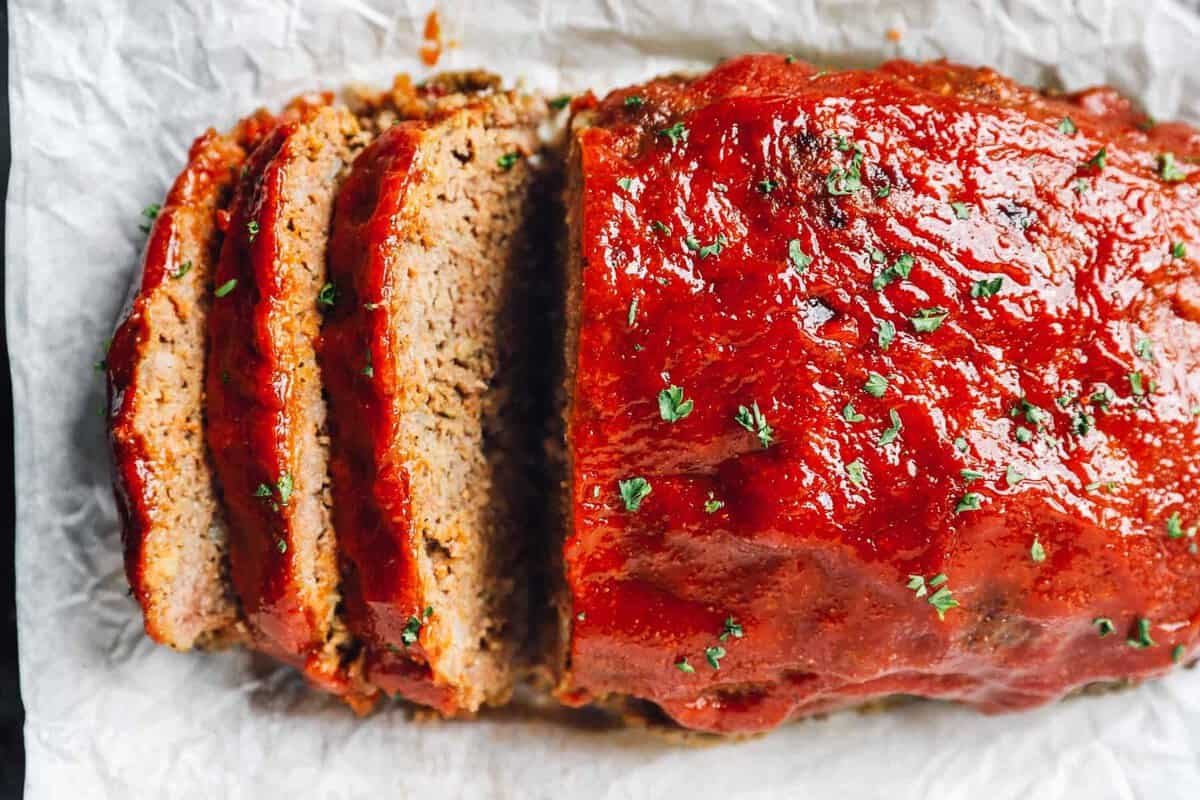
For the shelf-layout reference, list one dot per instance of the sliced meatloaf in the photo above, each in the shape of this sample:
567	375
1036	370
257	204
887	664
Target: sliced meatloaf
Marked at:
880	382
174	530
267	419
425	359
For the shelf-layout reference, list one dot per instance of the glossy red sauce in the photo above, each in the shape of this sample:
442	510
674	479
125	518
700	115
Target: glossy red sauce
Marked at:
212	166
359	354
809	560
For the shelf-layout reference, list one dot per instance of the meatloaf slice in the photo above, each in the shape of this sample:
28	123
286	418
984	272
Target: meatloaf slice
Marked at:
433	442
881	382
267	418
174	529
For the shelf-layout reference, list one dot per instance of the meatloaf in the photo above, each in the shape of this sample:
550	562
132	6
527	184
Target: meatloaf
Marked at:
432	434
880	382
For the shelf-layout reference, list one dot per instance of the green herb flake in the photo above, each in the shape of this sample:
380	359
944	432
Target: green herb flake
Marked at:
1178	250
661	227
856	472
1177	653
262	490
1141	638
753	420
942	601
731	628
960	444
1175	529
625	183
634	101
899	270
886	334
989	287
917	584
327	296
676	133
683	666
971	501
891	434
850	415
800	260
1136	385
560	102
633	492
1168	170
368	370
508	160
671	405
767	186
713	656
413	627
1024	435
1037	552
226	287
1080	186
1104	626
961	210
285	487
1145	349
252	229
969	475
712	505
843	182
1100	160
875	385
184	269
1067	126
281	545
151	211
929	320
1012	477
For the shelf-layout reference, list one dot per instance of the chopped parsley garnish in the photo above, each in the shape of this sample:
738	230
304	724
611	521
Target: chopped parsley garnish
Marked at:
712	505
560	102
1080	186
752	419
1141	638
842	182
971	501
508	160
800	260
262	490
850	415
368	370
184	269
1177	653
625	183
1104	626
705	250
714	655
960	444
731	628
929	320
633	492
327	296
1178	250
634	100
942	600
151	211
683	666
767	186
987	288
1037	552
1167	169
281	545
1024	435
252	229
414	625
1145	349
1175	528
876	384
226	287
671	404
886	335
285	487
661	227
1100	160
969	475
676	133
961	210
899	270
1012	477
1135	384
856	472
891	434
1067	126
1034	415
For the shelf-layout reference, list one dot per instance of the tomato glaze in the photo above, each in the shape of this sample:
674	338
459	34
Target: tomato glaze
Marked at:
936	337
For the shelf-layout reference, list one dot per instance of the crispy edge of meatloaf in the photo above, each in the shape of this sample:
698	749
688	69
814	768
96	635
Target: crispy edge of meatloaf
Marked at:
457	296
174	529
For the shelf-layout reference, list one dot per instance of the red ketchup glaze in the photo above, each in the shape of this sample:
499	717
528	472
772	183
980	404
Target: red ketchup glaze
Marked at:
808	546
208	175
372	513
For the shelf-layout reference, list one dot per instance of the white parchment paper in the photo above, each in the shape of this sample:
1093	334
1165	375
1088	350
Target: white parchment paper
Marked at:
105	97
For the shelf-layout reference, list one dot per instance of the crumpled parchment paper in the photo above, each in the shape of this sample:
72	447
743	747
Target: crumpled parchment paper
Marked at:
105	97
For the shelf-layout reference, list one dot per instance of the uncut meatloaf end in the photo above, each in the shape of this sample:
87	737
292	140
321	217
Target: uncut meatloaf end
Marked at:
267	428
174	530
434	441
862	405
